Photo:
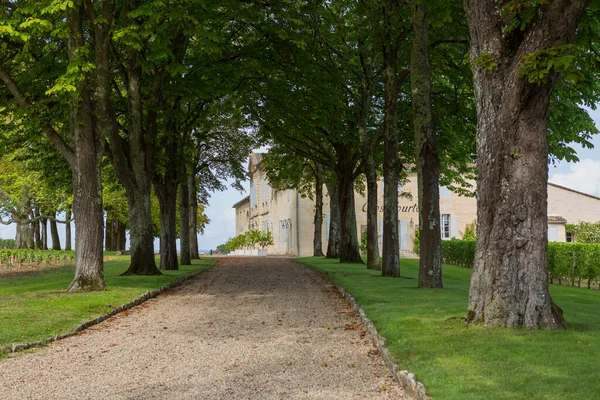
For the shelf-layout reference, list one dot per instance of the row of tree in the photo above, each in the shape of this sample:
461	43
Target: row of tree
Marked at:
354	89
145	86
357	90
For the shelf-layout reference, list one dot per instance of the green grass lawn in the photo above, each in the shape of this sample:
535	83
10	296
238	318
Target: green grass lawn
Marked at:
426	334
34	307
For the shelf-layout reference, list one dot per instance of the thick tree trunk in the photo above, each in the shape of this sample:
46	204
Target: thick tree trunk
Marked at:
194	252
87	182
24	235
136	175
54	234
349	250
509	284
428	162
141	235
318	219
167	199
68	215
184	223
372	228
367	143
333	245
390	263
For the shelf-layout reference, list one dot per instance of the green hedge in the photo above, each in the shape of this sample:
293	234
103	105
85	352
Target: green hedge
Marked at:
7	243
458	252
573	262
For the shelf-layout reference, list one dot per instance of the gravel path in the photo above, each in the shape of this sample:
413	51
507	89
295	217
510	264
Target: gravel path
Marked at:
249	328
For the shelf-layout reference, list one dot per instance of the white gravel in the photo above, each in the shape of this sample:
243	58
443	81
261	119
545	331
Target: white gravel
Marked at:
250	328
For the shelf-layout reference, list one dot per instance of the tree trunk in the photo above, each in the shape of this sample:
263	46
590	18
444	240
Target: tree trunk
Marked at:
184	222
333	245
428	162
68	215
318	219
54	234
367	144
372	228
119	236
391	163
167	199
194	252
108	236
87	181
349	251
24	235
509	284
44	232
137	174
37	235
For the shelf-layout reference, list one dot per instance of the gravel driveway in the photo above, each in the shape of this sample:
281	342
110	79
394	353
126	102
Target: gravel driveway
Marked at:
249	328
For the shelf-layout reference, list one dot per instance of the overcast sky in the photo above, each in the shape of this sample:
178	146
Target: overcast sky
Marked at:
583	176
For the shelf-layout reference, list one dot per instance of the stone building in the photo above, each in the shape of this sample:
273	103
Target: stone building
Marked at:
289	216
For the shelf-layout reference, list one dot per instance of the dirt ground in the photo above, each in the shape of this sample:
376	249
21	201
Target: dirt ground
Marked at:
249	328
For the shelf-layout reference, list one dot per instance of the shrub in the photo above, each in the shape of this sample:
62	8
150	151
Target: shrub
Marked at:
566	261
458	252
7	243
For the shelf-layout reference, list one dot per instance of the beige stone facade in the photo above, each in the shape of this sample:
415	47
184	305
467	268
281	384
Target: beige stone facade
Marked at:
290	216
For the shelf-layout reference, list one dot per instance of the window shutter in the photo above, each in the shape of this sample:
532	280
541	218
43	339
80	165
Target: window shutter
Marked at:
403	235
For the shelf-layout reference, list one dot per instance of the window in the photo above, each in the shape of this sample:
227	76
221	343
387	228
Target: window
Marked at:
445	226
569	236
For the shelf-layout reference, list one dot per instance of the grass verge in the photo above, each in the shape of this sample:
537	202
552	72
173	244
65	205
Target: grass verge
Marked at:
425	332
35	306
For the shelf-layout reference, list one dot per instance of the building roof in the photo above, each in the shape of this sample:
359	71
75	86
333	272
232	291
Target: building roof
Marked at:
574	191
255	159
242	201
557	219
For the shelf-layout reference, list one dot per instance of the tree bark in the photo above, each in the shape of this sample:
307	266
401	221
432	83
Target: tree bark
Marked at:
184	221
37	234
428	162
509	284
318	219
24	235
167	199
108	236
136	174
44	233
165	187
333	245
367	144
68	215
119	236
87	182
349	250
193	191
54	234
392	167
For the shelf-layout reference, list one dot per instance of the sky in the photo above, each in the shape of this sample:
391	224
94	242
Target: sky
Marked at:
583	176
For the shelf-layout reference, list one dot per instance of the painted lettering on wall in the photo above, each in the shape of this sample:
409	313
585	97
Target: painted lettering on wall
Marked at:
401	209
